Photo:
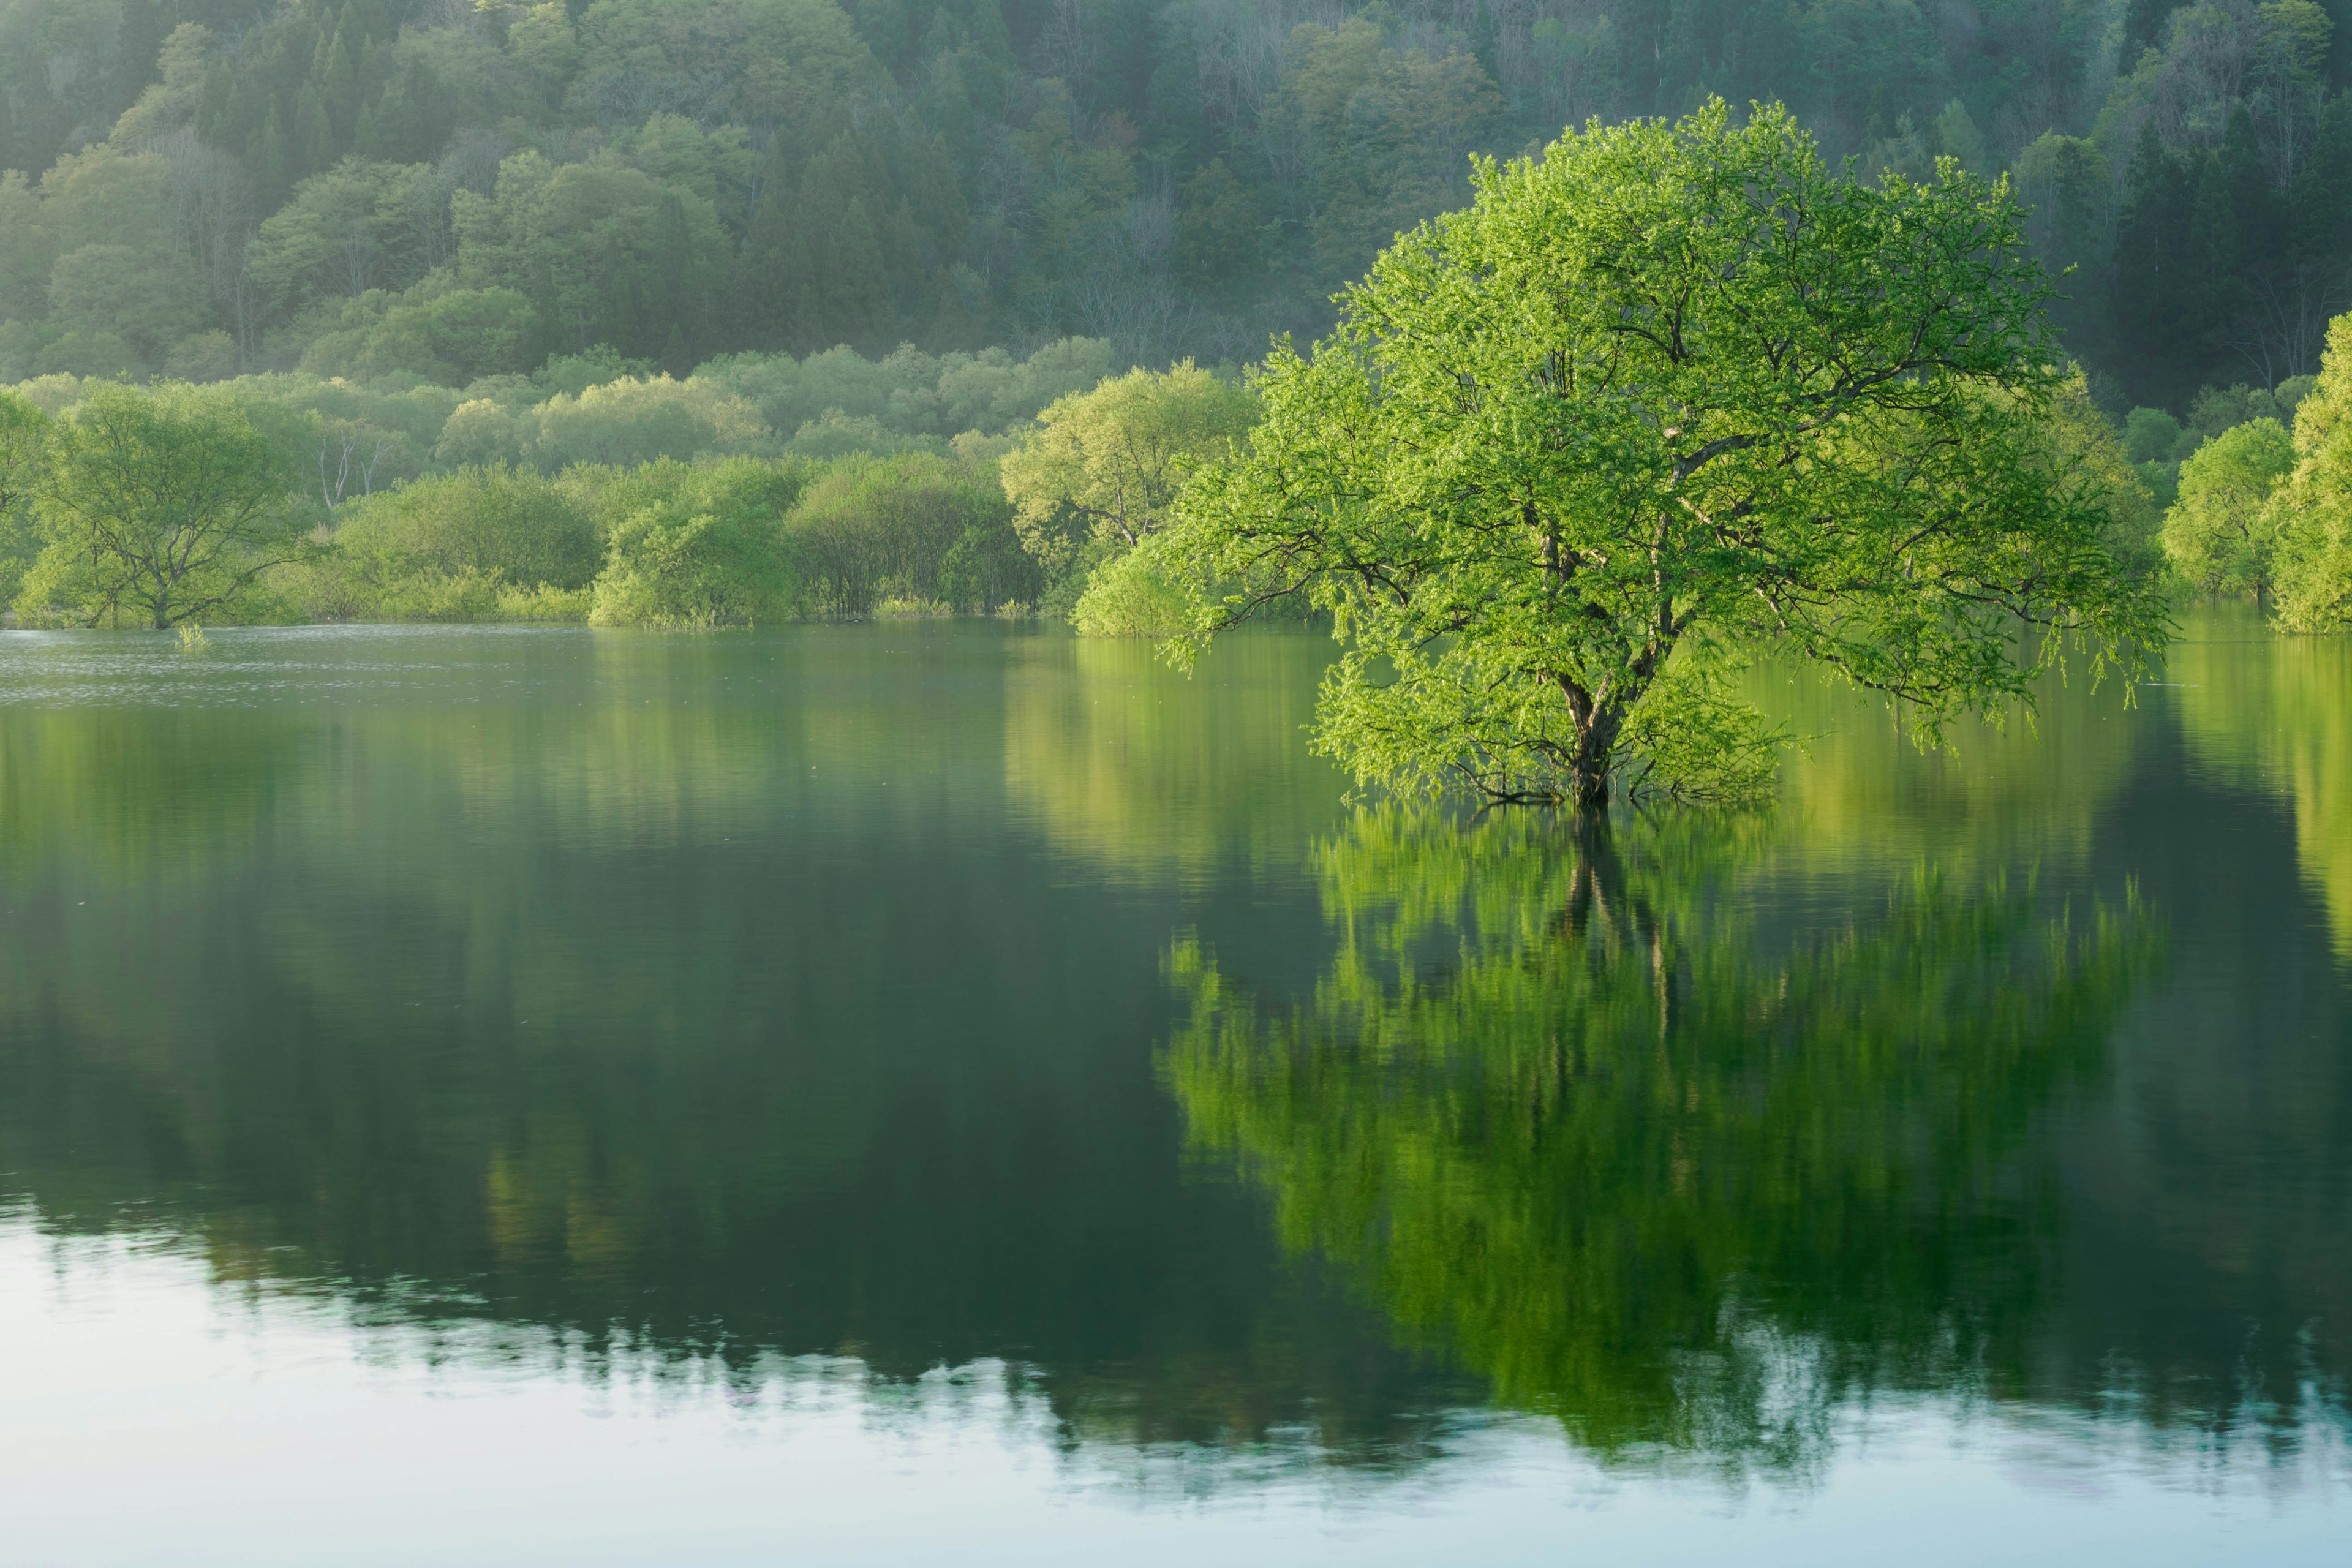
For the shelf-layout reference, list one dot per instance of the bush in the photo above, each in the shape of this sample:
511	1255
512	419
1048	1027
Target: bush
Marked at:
690	547
628	422
480	431
545	602
1139	595
986	571
2152	435
2218	535
886	527
444	549
438	333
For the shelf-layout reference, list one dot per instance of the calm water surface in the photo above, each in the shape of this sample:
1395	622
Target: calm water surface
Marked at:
958	1094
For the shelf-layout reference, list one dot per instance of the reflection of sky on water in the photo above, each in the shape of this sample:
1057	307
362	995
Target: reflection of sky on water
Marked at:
147	1415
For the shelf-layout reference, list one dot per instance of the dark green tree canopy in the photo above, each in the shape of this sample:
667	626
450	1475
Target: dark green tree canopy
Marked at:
1666	388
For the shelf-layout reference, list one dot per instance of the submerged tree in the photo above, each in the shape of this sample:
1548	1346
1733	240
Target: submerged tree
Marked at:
2311	513
161	506
1669	387
24	438
2220	533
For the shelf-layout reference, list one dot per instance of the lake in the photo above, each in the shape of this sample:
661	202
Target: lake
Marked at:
949	1092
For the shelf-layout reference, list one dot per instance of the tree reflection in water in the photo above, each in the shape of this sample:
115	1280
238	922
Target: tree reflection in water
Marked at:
1688	1182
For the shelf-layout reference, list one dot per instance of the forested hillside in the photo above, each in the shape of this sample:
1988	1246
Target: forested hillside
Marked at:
445	190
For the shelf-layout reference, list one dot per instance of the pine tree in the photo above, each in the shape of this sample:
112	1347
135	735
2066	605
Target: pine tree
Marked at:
774	275
2152	275
138	40
2145	22
2217	248
312	147
2321	208
214	110
2257	211
855	305
272	176
338	87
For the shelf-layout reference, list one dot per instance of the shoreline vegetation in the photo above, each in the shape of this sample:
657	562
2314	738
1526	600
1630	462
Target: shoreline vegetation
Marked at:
1164	505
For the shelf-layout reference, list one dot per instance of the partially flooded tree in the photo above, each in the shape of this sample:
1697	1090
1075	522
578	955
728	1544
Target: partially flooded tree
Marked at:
160	507
1672	388
24	436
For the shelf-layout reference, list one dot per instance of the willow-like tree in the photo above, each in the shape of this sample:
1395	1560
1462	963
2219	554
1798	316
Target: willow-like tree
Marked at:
24	438
1665	388
160	507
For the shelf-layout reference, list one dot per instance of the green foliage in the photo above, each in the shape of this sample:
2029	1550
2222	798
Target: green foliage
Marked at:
2152	435
448	548
161	506
1569	1120
1138	594
874	529
1692	739
2311	514
1104	468
1671	381
2218	535
905	397
986	570
2216	409
23	445
693	548
626	422
431	332
300	185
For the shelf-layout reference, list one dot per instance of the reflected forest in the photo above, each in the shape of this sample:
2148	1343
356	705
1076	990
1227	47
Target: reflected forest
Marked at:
1692	1133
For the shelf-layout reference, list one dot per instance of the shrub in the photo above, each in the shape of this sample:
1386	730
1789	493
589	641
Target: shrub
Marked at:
876	527
628	422
2218	535
1137	596
689	547
444	549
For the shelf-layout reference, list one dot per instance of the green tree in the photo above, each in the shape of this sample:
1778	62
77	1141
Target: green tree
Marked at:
2218	535
24	439
871	529
2311	513
1670	384
425	549
347	229
1104	468
695	547
164	506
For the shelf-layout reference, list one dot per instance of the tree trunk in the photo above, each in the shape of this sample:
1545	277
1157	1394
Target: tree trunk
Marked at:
1588	785
1596	744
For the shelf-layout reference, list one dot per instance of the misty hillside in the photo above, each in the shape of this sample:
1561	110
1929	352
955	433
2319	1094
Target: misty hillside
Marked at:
437	191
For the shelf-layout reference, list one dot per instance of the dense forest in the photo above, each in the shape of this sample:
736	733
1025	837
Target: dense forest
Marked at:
710	312
440	191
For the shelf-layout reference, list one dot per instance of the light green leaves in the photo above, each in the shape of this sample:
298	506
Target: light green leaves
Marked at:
161	506
1671	378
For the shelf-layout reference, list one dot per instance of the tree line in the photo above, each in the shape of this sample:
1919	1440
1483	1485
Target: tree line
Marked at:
239	503
1663	397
